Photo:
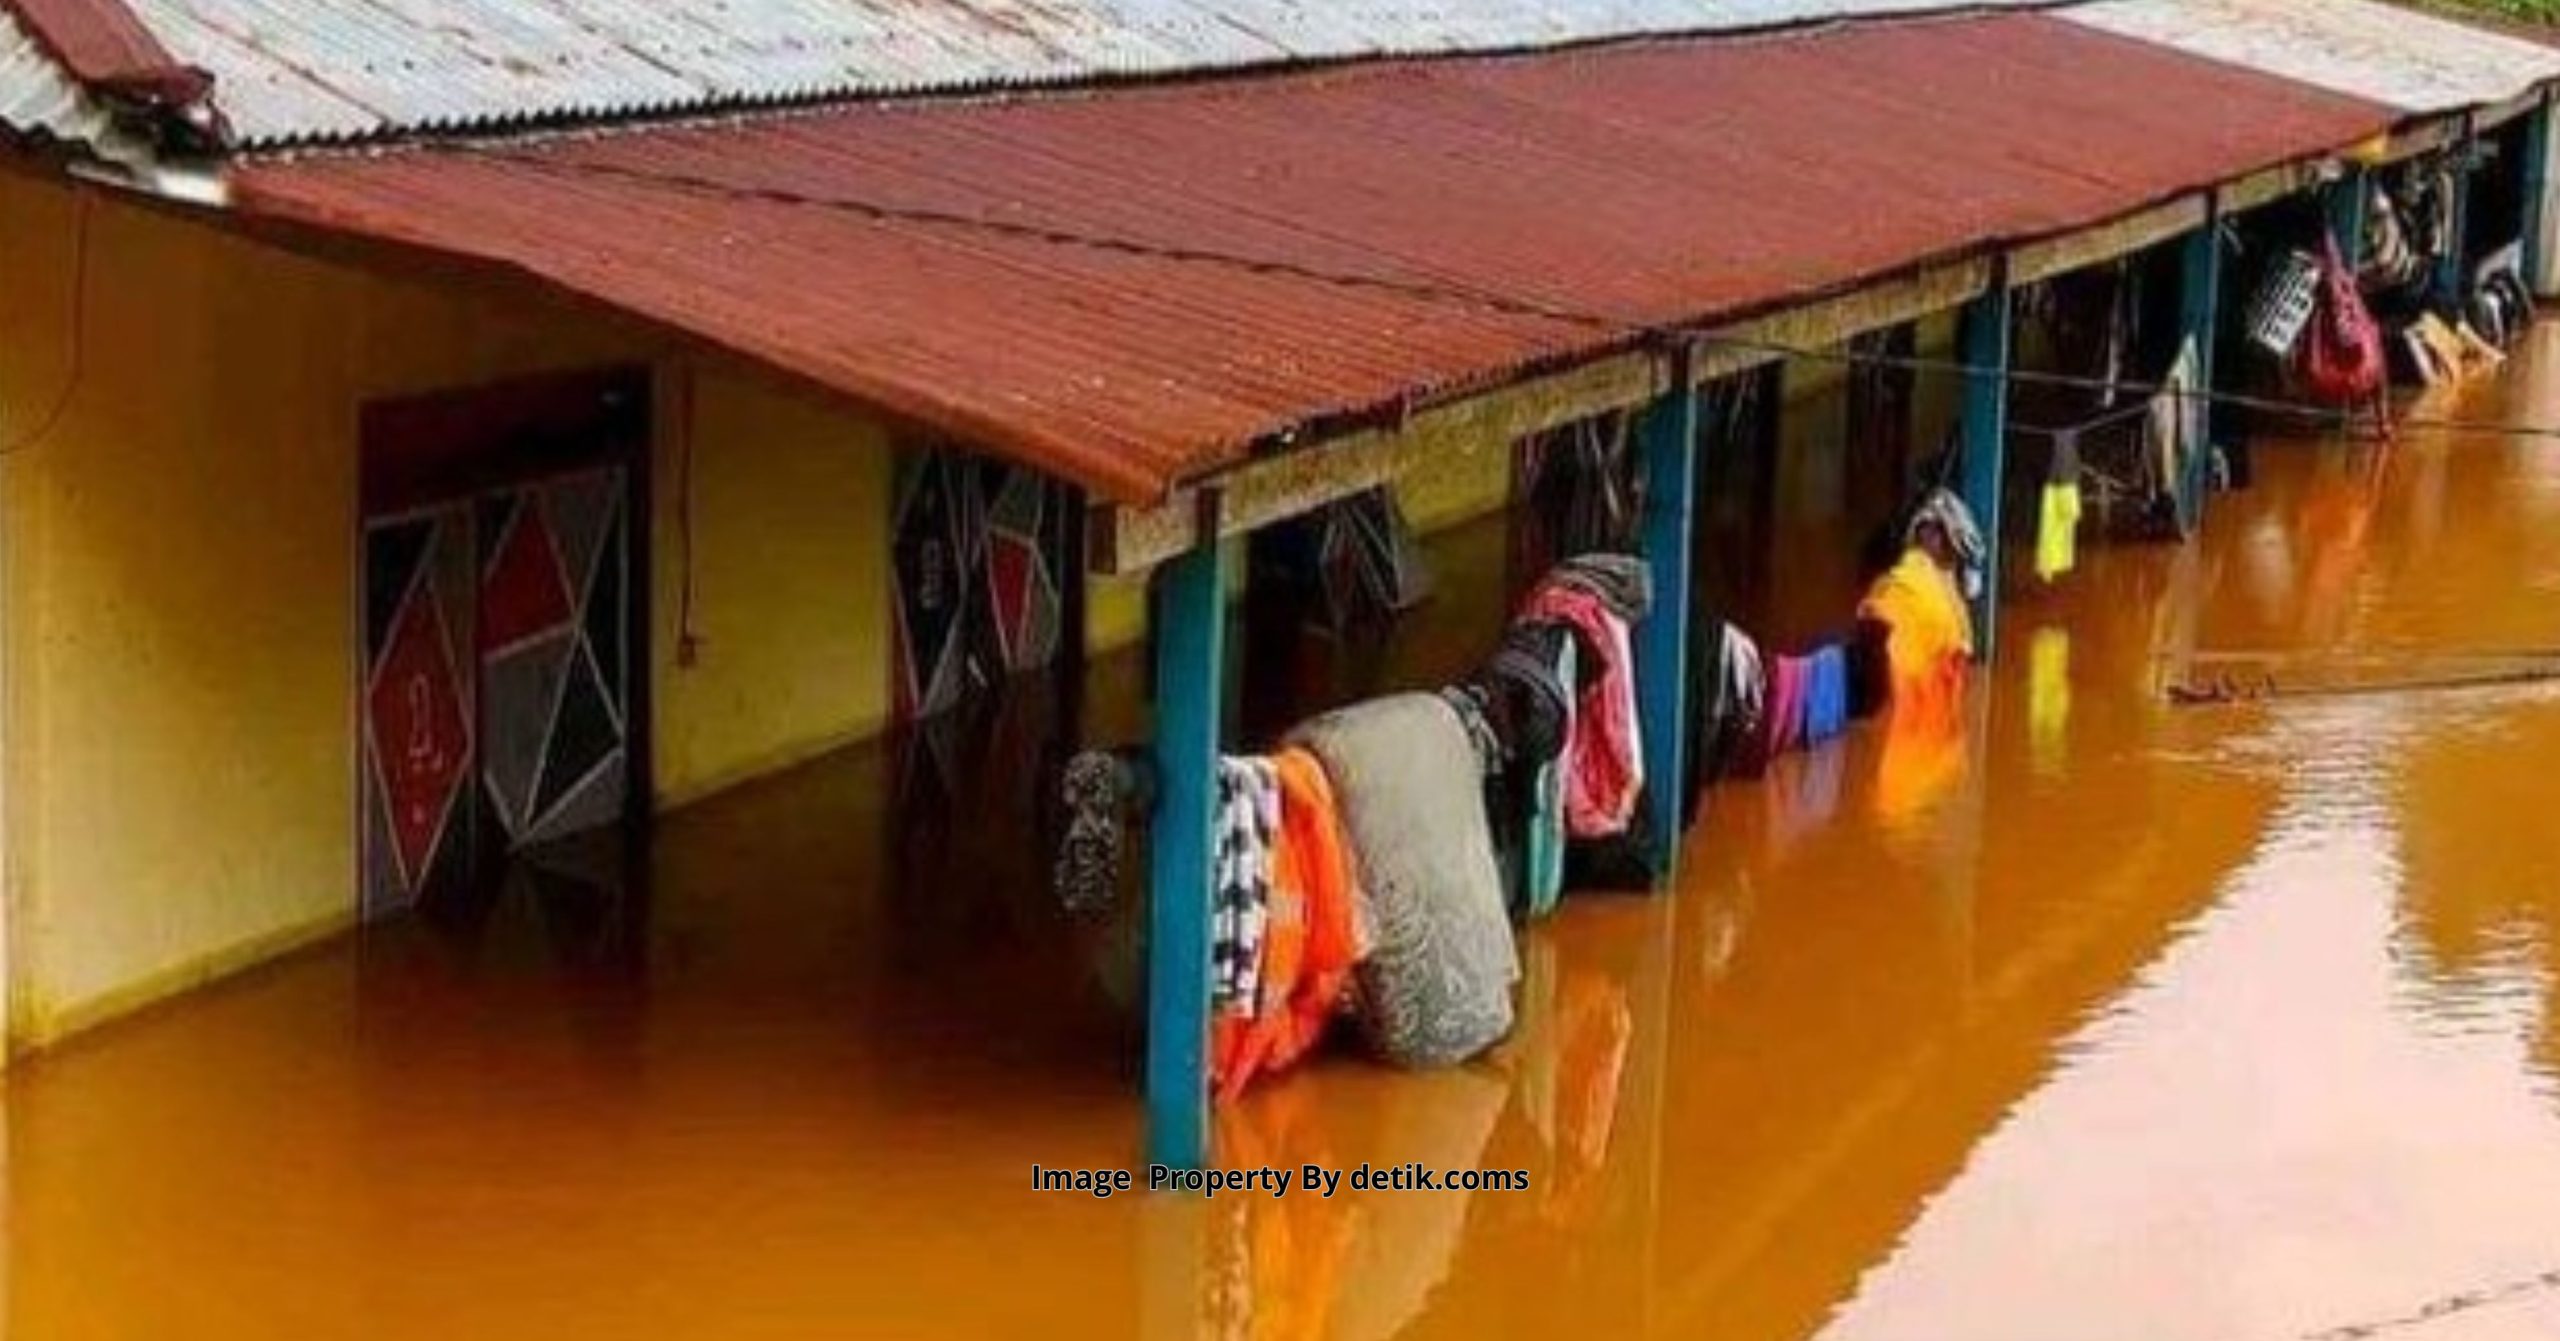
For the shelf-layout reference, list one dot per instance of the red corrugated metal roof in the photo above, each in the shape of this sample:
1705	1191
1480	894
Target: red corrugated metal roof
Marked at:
1130	287
102	43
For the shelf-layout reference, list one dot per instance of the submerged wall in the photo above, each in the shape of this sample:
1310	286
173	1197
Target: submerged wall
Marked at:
179	470
180	579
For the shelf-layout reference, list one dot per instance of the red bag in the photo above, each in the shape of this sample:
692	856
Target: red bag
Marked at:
2341	356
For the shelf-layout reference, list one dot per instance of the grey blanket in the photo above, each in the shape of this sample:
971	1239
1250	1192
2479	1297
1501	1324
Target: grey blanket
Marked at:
1436	988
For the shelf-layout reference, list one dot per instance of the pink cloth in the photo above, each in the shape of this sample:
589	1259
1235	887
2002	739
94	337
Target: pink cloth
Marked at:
1603	752
1787	679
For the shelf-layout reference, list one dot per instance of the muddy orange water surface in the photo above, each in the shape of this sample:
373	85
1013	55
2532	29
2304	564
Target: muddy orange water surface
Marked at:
2101	1019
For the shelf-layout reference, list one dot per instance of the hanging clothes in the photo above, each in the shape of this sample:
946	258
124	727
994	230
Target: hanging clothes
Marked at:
1099	793
1516	711
1826	698
2170	433
1311	941
1435	988
2283	306
1623	581
2057	531
1930	631
1546	839
1750	679
1603	752
2341	360
1248	825
1786	704
2058	516
1946	513
1727	690
2433	223
2390	260
1248	822
1473	704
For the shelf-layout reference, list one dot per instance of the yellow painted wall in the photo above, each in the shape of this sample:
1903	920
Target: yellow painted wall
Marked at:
790	572
180	579
1462	481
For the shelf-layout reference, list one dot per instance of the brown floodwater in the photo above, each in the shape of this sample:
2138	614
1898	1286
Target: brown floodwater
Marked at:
2099	1018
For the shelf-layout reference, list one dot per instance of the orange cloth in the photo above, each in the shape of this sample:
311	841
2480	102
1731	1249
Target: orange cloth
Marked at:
1310	943
1930	646
1932	638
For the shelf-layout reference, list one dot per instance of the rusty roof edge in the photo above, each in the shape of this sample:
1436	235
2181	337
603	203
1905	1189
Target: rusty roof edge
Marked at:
570	122
1314	433
1317	430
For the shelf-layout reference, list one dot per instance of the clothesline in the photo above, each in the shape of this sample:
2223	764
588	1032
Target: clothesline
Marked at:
2121	414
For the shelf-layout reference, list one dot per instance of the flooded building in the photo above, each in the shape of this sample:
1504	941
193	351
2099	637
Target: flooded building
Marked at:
437	452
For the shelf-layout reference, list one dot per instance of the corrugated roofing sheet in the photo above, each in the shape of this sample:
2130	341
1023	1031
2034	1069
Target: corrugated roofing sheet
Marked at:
100	42
2382	52
297	70
38	96
1128	288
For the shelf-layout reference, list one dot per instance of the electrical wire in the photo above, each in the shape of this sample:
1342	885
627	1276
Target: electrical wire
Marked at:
688	635
74	342
2336	418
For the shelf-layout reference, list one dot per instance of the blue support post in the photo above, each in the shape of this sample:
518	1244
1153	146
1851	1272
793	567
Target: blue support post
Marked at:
1983	336
2537	197
2199	317
2453	265
2349	197
1190	637
1667	435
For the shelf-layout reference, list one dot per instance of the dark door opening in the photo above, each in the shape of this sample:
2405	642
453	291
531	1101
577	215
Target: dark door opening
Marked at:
503	702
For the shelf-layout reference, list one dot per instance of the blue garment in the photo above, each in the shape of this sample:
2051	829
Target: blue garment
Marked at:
1826	695
1546	845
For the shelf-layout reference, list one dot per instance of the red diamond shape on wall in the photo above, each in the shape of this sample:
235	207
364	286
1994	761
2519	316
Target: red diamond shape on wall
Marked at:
525	594
421	739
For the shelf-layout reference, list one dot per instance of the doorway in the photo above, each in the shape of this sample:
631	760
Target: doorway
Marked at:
503	702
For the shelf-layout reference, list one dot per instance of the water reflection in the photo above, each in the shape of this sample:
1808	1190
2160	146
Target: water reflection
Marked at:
2071	1014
